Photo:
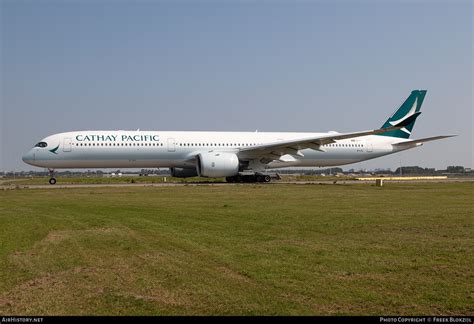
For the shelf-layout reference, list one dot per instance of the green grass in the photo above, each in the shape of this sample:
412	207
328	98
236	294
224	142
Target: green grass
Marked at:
404	249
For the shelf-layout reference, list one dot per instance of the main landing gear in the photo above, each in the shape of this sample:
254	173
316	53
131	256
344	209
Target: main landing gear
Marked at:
52	179
251	177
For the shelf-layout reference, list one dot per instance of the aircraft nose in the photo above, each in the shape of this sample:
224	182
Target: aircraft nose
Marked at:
28	157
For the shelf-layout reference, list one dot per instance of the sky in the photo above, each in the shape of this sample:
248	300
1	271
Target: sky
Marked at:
303	66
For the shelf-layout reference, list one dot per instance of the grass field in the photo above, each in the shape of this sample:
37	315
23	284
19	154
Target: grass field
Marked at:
149	180
404	249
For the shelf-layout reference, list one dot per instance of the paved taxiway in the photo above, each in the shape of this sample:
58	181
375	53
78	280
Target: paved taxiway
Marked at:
181	184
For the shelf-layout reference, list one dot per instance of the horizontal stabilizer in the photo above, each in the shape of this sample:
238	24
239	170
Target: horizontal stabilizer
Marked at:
422	140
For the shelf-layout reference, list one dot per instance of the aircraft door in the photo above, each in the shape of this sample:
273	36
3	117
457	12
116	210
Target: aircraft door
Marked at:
369	147
171	145
67	144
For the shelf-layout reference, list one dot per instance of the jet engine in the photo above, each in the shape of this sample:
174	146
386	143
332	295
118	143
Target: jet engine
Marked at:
217	164
183	173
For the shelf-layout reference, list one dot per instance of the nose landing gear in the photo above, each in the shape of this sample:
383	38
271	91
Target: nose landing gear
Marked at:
52	179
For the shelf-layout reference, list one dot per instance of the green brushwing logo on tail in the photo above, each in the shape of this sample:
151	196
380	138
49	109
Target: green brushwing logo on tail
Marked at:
409	107
54	150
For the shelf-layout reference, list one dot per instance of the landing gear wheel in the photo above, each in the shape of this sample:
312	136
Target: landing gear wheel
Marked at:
52	179
267	178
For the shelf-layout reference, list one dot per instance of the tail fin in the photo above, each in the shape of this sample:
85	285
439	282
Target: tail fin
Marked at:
411	106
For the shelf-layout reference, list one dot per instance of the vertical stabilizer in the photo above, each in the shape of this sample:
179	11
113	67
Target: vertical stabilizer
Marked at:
411	106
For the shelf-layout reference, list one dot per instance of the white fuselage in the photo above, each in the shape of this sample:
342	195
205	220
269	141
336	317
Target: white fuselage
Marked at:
143	149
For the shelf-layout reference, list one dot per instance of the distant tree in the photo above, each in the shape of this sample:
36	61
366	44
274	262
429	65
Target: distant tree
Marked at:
455	169
415	170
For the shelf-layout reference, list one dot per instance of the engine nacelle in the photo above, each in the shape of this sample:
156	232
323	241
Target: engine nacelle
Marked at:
183	173
217	164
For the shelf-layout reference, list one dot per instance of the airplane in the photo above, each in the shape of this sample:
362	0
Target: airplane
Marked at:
237	156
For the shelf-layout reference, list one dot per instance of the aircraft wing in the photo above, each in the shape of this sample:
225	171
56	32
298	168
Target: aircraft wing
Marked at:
273	151
421	140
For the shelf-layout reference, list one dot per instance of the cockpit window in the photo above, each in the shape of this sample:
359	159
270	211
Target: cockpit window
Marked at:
41	144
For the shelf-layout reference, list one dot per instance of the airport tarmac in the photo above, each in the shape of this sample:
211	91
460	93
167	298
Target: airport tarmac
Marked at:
182	184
